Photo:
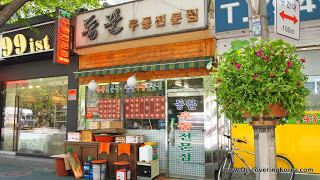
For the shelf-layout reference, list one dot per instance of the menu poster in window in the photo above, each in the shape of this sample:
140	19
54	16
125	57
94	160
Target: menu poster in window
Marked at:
145	107
118	116
141	108
162	107
109	108
136	108
152	108
127	108
131	108
157	106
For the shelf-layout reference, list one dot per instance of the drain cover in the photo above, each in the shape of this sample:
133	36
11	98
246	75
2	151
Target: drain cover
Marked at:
15	173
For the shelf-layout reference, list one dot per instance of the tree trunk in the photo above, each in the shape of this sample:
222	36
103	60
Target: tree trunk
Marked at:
9	10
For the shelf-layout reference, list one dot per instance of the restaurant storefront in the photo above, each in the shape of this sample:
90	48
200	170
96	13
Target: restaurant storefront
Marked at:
35	111
167	49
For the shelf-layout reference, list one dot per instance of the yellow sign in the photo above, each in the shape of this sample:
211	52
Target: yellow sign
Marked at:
20	44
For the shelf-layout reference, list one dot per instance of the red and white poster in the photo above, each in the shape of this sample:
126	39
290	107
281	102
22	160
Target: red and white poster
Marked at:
109	108
72	94
145	107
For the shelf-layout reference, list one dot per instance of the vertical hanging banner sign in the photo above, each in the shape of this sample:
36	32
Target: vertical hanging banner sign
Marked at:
61	53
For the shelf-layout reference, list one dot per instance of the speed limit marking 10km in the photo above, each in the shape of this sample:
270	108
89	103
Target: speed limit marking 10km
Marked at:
287	18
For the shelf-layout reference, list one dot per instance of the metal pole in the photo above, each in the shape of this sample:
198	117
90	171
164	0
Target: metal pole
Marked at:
264	136
263	19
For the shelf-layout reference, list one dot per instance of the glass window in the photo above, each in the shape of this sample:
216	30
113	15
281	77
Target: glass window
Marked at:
145	105
314	97
39	108
104	103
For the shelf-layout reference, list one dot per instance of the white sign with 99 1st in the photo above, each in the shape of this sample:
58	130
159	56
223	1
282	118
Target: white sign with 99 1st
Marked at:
287	18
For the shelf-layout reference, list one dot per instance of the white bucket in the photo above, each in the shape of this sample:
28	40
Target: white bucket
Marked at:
96	171
145	153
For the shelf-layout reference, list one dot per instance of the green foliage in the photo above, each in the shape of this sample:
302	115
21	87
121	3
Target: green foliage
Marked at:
255	74
69	149
43	7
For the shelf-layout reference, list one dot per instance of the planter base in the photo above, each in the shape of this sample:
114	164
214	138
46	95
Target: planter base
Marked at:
262	122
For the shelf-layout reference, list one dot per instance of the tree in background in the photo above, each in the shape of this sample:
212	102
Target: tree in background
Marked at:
19	11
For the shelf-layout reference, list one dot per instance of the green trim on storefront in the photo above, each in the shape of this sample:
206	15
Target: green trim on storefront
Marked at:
197	62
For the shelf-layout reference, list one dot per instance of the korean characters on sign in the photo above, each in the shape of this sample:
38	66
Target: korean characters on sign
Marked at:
185	126
287	18
185	146
154	86
91	24
111	22
62	53
148	107
160	21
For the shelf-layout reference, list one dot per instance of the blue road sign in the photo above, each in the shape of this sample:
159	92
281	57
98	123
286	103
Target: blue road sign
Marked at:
233	14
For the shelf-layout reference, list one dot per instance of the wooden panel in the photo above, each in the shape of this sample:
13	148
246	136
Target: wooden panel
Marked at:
148	75
109	130
181	50
85	149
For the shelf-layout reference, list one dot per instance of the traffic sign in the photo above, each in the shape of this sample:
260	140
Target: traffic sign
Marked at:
287	18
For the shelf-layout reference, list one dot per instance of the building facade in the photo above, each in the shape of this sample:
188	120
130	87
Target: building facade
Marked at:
36	112
167	47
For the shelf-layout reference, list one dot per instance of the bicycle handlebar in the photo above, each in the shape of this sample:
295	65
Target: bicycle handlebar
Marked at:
238	140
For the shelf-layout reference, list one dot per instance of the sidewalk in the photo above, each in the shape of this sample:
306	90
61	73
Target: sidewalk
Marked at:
11	172
28	168
241	176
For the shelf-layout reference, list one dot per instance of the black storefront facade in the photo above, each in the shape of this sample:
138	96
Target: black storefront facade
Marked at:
38	97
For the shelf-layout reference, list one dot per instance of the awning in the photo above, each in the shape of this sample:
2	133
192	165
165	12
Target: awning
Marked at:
197	62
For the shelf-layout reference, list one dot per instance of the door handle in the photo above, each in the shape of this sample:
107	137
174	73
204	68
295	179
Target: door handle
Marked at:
172	140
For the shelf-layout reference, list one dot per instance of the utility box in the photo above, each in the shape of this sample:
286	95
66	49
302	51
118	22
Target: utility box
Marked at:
148	169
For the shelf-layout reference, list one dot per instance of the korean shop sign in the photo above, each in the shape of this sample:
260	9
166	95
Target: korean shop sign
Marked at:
140	19
25	41
61	52
186	137
233	14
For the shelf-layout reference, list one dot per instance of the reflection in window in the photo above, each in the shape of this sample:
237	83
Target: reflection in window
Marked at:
185	84
104	103
145	105
314	97
42	107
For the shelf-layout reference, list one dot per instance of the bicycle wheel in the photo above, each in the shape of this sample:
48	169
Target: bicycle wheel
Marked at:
284	165
225	170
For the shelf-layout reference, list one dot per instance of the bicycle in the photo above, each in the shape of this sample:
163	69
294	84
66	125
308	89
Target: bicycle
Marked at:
226	167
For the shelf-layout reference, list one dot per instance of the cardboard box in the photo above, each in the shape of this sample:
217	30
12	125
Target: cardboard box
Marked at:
111	124
87	136
120	139
74	136
95	125
135	138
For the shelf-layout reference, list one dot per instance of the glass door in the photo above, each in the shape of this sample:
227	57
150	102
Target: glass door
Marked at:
12	116
186	151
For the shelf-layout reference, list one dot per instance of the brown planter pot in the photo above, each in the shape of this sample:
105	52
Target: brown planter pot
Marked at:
277	111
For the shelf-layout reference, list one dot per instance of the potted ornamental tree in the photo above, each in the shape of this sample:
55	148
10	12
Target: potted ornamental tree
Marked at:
261	81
